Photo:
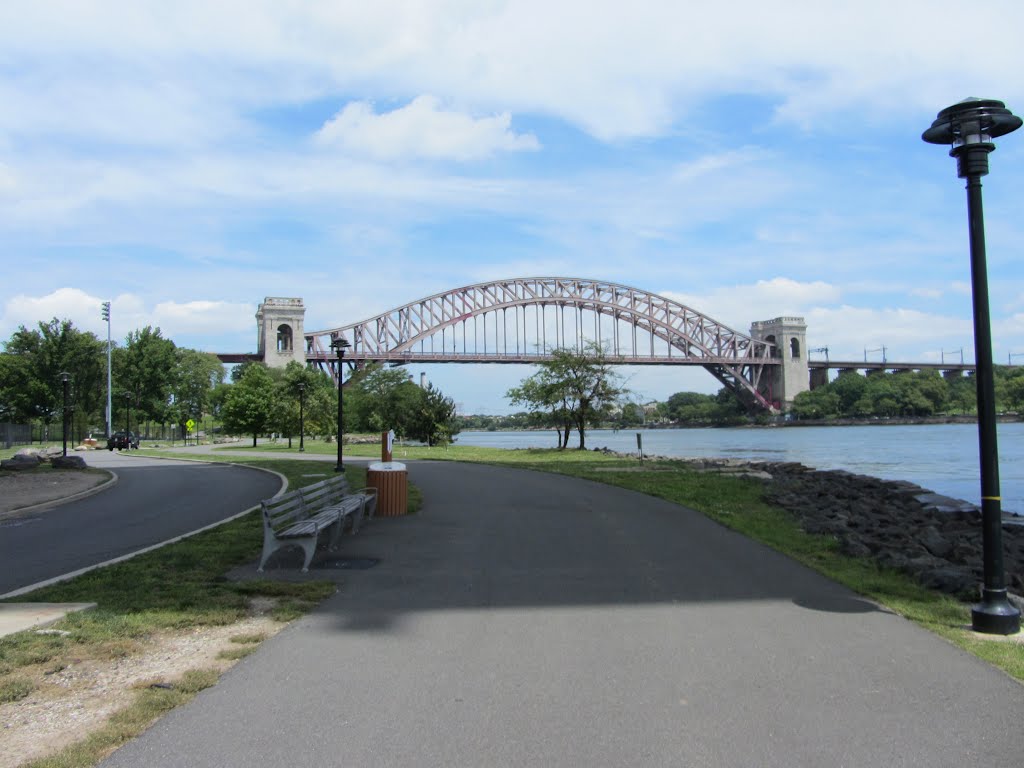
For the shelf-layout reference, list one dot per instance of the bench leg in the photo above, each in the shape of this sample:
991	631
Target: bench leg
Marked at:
309	547
270	546
338	527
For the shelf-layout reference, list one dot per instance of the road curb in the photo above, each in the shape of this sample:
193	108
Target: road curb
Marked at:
108	483
74	574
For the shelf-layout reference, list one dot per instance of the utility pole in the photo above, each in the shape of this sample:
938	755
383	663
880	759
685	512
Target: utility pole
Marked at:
106	316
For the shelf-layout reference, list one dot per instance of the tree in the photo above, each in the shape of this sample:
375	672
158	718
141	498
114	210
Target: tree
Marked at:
578	386
1015	392
850	387
30	387
818	403
249	403
196	375
433	421
145	369
546	401
378	399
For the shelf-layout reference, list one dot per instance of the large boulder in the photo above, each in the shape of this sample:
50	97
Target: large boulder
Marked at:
20	461
68	462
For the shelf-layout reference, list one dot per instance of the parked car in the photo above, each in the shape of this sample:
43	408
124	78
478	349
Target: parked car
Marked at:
122	440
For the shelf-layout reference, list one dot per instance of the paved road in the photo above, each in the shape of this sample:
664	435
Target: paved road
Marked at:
533	620
153	500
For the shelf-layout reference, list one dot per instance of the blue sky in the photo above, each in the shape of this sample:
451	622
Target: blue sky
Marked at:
752	160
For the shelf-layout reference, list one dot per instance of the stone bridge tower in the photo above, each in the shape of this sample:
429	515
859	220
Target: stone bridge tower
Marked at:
789	335
281	333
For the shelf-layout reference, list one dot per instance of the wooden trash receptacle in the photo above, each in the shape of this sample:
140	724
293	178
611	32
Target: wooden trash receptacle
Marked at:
391	479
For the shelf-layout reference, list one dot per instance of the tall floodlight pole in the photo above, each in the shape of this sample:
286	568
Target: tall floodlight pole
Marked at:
64	379
128	417
969	128
302	416
339	345
106	316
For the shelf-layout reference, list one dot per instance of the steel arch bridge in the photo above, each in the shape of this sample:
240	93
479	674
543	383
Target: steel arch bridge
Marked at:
520	320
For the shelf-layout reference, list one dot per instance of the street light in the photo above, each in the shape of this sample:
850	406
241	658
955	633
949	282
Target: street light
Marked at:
302	416
339	345
110	413
969	126
65	377
128	418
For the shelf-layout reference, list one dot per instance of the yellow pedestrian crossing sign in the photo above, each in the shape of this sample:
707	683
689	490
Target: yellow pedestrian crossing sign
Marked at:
190	425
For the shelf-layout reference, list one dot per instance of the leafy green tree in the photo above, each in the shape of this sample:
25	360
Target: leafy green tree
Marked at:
583	381
1013	391
850	386
632	415
378	399
33	360
548	403
433	422
145	368
963	395
196	375
318	415
249	403
816	404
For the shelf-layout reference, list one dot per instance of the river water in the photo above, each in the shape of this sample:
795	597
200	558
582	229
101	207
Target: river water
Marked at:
940	457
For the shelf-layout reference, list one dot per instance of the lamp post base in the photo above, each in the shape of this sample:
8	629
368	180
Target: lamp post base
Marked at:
994	615
339	467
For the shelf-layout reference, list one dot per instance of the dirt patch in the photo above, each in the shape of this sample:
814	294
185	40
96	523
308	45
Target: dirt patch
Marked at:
70	704
39	486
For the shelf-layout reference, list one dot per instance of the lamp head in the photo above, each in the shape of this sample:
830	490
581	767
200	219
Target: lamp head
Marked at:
972	121
339	344
64	376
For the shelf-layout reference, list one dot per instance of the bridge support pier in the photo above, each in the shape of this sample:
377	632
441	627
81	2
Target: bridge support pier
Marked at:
282	338
788	337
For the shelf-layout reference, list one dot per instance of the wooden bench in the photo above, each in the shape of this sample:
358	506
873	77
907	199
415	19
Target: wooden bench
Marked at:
300	516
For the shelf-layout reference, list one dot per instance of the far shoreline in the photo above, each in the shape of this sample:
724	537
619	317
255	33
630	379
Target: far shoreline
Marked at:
877	421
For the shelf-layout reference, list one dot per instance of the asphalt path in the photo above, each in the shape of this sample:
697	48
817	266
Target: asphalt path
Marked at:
526	619
153	500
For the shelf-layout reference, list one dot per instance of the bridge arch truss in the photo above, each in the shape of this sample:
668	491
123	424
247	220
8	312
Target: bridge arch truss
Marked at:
521	320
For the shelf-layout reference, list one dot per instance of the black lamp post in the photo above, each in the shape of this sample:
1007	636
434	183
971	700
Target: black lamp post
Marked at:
339	345
969	128
65	377
128	418
302	416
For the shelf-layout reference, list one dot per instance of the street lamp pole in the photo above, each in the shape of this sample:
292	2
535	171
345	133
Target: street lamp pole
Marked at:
339	345
969	127
110	413
64	379
128	418
302	416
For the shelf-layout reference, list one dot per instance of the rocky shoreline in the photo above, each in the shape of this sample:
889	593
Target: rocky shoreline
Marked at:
933	538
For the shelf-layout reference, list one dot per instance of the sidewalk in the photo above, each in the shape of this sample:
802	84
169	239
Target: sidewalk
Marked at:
525	619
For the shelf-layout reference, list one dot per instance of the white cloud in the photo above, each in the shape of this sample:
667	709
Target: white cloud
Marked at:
737	306
63	303
198	317
907	334
192	70
128	313
422	128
